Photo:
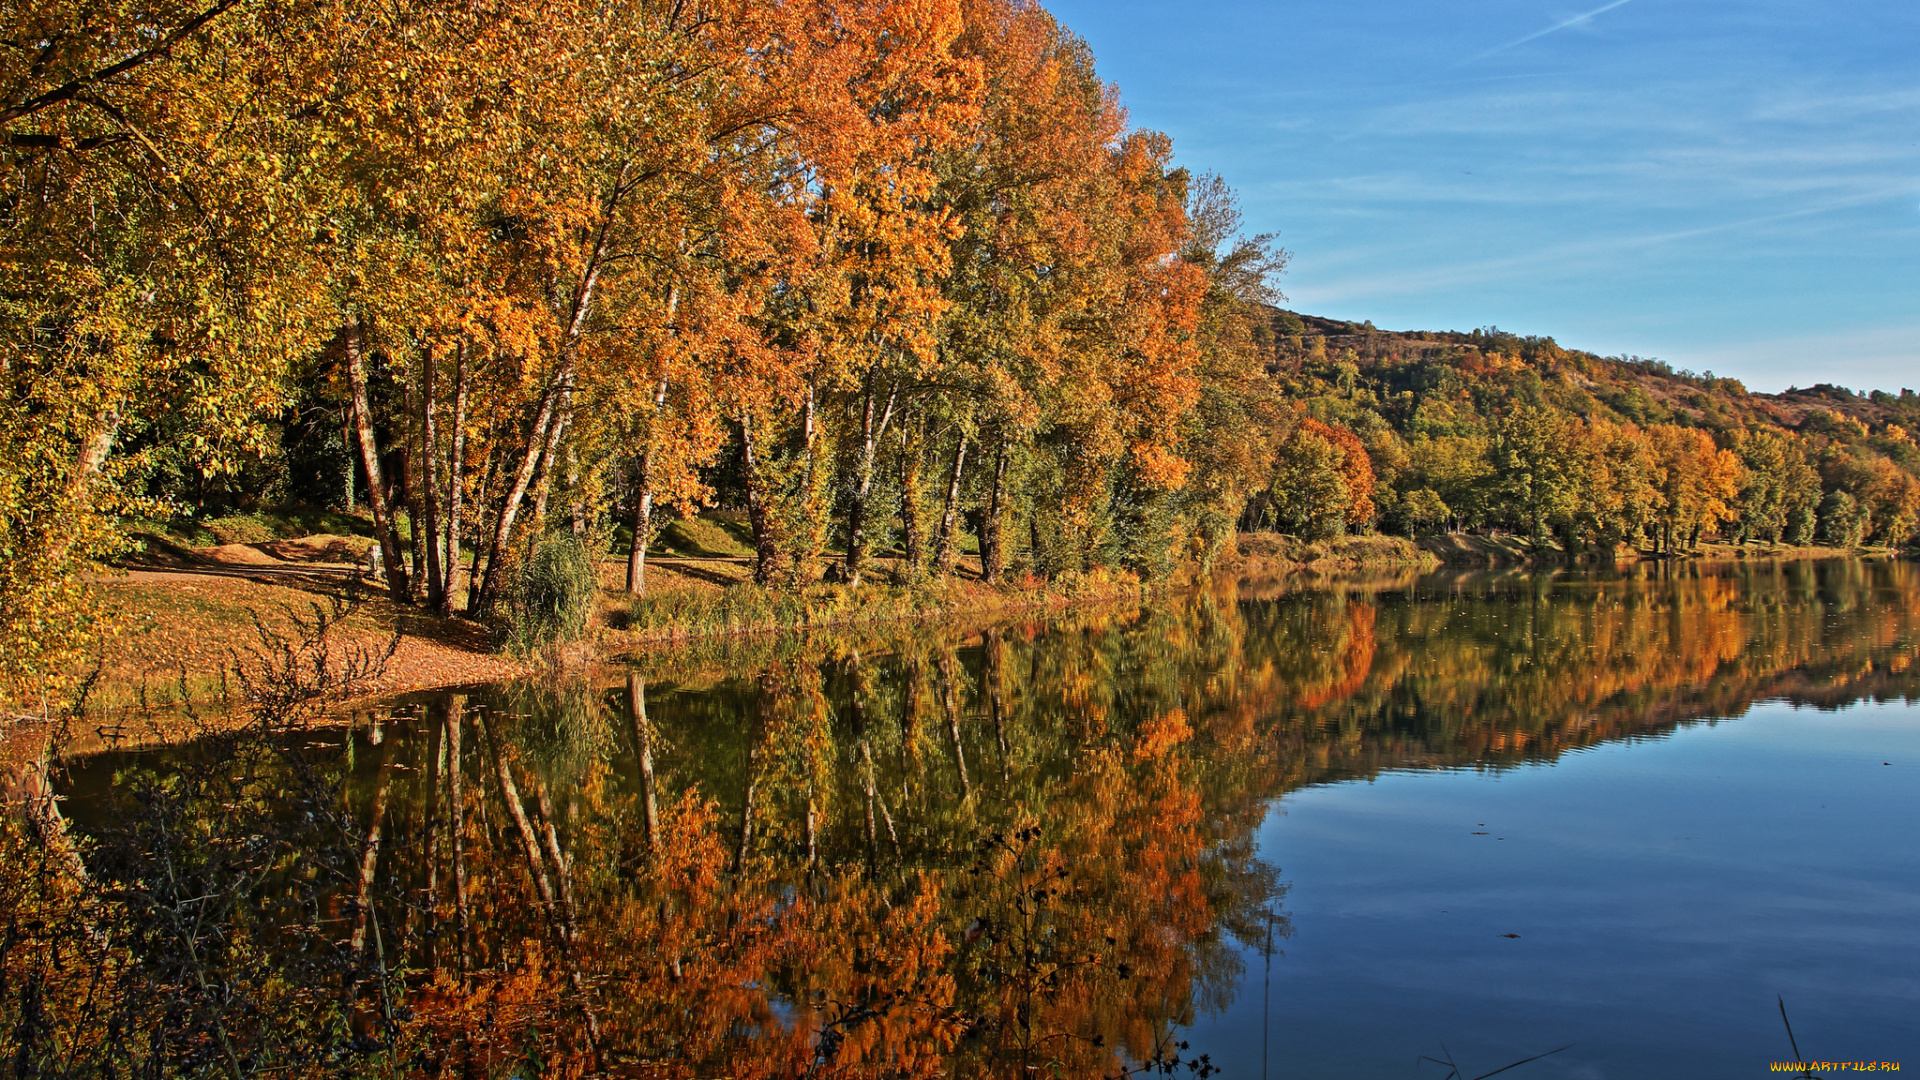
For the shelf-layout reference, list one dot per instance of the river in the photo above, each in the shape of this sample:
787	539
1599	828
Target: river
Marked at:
1265	828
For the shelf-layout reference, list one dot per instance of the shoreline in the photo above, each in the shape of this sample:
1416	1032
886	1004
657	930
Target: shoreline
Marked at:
179	638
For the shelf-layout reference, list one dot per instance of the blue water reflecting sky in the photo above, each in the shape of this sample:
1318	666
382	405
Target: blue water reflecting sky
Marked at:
1664	891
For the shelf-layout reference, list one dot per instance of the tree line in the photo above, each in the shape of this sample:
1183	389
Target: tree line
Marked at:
884	278
1495	431
877	271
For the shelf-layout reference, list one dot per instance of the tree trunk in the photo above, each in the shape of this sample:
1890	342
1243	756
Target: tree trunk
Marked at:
530	455
370	851
547	425
433	790
992	558
370	461
348	499
549	459
857	713
430	480
410	494
813	834
529	838
950	708
1033	535
643	496
996	691
806	537
872	430
947	545
912	530
93	454
457	820
456	483
29	792
766	543
489	472
746	814
642	530
642	732
87	463
562	862
763	702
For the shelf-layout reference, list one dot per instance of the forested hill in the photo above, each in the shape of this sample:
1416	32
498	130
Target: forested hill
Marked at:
1633	388
1488	428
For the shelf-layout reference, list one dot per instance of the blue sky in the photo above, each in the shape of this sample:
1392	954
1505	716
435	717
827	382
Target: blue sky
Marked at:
1728	185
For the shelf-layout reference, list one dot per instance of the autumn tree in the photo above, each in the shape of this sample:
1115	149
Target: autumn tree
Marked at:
1534	464
1777	485
151	304
1229	433
1697	480
1322	483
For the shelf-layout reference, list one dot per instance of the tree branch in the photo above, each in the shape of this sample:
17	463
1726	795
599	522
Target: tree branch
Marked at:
75	87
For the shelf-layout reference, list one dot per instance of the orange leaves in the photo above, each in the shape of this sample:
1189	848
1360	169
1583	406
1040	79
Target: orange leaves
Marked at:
1354	644
875	981
1698	479
1161	734
1355	467
644	229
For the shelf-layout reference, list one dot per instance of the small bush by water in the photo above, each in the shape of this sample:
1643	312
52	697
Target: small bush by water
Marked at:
551	597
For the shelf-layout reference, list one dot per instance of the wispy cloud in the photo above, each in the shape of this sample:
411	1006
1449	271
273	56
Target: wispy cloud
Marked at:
1564	24
1573	256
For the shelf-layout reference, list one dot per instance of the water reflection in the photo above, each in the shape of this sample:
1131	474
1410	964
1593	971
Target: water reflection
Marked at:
979	852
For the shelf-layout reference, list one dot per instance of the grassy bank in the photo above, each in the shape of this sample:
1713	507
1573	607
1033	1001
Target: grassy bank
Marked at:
1277	555
671	616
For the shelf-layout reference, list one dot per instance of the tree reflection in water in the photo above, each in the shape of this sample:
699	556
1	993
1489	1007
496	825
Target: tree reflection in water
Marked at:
985	853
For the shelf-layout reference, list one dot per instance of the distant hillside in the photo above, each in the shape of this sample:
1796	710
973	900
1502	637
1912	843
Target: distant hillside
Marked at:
1492	430
1664	394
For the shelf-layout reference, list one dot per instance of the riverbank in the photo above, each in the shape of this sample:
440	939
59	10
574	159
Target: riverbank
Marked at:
176	627
1507	549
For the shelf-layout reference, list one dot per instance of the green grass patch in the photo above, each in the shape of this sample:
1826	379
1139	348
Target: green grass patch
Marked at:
1275	552
258	527
710	535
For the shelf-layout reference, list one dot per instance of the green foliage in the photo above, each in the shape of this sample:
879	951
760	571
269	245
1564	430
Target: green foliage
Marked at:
557	724
1843	521
1802	524
1145	523
1425	510
1535	467
707	535
551	598
1310	493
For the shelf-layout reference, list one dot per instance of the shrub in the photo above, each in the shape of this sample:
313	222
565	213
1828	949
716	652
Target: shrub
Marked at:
551	597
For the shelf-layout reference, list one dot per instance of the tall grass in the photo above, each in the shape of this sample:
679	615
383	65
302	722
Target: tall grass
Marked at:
750	609
551	598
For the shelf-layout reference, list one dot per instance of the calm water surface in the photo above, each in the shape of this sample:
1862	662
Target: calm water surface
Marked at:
1663	891
1304	833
